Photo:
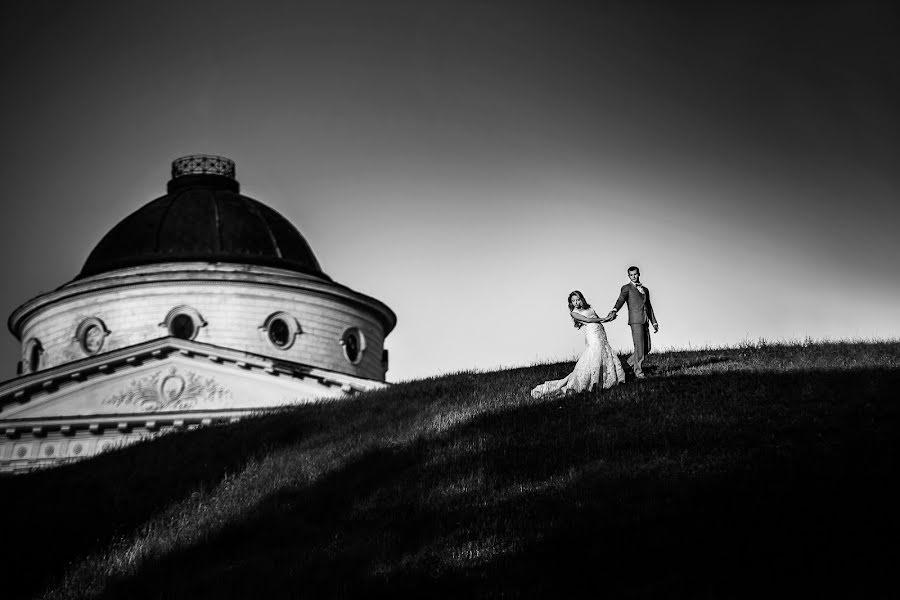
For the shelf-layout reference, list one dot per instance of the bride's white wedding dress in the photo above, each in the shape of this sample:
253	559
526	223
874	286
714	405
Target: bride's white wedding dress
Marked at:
597	365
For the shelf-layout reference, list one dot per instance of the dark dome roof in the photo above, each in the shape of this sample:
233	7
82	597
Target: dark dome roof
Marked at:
203	218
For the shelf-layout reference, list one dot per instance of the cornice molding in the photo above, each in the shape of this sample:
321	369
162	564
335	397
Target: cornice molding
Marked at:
23	389
124	423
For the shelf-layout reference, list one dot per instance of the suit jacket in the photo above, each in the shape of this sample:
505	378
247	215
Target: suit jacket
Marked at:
640	310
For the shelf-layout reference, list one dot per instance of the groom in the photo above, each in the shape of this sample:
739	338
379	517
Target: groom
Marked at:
640	313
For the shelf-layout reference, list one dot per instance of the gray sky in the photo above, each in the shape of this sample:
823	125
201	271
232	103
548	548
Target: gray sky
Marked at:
470	163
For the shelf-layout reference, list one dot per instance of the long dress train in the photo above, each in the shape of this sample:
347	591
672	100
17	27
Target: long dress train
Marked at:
597	365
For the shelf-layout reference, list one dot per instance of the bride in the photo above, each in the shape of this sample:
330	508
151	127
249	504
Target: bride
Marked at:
597	365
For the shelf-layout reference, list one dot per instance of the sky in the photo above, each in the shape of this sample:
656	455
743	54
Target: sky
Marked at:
471	163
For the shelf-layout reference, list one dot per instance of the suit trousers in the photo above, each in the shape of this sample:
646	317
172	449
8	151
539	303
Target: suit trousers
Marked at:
640	335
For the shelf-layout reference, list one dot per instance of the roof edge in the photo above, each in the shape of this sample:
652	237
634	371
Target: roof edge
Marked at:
201	272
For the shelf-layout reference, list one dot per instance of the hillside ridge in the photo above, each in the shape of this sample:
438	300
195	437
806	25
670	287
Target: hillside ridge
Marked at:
727	472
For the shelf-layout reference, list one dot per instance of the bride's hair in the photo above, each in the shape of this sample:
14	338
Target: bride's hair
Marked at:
584	304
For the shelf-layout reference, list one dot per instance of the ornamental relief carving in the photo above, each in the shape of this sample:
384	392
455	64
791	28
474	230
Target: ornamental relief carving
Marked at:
170	390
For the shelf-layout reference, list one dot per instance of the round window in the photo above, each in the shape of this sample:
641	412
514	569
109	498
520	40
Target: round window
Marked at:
34	356
182	326
279	333
354	344
93	339
91	334
183	322
281	329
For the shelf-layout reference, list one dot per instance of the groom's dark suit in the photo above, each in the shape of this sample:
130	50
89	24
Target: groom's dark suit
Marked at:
640	313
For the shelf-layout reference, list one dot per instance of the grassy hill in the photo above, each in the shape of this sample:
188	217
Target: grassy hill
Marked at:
759	470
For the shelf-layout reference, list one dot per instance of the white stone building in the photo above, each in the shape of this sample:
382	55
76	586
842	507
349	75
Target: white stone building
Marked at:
200	307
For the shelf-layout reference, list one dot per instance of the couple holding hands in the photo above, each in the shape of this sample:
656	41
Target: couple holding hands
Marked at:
598	365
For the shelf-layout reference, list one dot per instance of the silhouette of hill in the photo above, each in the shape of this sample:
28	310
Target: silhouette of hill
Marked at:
759	470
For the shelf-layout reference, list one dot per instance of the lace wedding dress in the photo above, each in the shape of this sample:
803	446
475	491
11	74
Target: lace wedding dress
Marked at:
597	365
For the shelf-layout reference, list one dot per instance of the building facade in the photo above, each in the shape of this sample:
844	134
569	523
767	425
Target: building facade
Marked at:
201	307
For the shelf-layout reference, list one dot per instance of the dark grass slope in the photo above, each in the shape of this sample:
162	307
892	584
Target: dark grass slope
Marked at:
763	470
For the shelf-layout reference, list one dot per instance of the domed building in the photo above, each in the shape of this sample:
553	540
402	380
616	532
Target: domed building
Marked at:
201	307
